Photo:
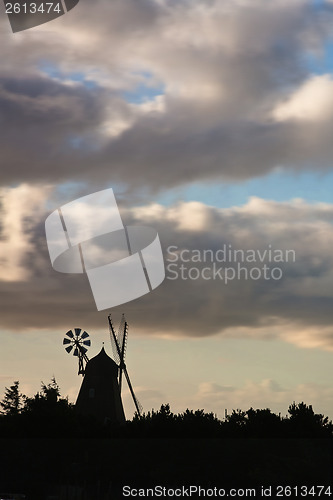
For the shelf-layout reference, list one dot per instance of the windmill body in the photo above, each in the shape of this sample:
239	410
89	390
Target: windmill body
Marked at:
99	395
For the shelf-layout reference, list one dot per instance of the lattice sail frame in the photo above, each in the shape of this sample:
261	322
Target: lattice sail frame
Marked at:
119	345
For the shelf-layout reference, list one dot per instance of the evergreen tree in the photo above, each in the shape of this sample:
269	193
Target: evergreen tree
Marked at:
51	391
48	400
12	401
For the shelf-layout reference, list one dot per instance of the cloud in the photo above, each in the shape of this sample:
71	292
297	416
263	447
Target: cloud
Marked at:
262	394
152	397
20	207
294	307
311	102
210	388
224	103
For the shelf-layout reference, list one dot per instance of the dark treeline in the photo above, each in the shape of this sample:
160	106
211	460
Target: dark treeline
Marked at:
48	415
49	451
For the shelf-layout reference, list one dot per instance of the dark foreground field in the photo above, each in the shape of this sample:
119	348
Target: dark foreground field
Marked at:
98	469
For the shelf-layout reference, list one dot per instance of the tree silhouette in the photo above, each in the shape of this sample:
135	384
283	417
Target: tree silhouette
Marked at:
235	424
198	423
12	401
263	423
305	422
47	414
48	401
51	392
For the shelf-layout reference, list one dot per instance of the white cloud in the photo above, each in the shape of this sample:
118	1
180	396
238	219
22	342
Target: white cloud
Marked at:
20	208
313	101
266	393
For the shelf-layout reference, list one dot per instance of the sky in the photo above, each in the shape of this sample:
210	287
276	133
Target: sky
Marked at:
212	123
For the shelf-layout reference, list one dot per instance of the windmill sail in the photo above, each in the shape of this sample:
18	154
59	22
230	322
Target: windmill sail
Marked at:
114	342
137	403
119	344
122	342
122	336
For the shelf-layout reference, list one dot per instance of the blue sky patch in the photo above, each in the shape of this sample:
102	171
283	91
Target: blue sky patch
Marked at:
143	92
279	186
54	71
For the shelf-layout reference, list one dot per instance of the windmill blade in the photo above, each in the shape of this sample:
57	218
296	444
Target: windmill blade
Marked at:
121	332
120	377
116	356
66	341
84	335
86	342
123	342
137	404
76	352
77	331
69	348
114	342
70	334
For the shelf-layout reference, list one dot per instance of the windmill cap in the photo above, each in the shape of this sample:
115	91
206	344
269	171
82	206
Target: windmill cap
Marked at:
101	364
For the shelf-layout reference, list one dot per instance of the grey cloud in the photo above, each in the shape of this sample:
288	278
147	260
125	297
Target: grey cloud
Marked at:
221	86
300	300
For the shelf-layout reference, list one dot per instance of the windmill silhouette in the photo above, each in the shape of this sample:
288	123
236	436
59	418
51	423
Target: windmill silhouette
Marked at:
100	392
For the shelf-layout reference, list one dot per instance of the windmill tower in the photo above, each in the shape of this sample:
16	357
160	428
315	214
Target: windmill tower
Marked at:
100	392
99	395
